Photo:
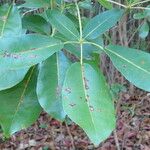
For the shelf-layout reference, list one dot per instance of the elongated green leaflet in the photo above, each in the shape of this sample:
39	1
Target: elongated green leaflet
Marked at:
19	105
10	21
133	64
27	50
63	24
101	23
49	85
105	4
87	101
36	24
10	25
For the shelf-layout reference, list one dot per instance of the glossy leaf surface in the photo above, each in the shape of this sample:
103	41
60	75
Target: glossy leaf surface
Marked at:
101	23
19	105
9	78
133	64
27	50
10	25
49	86
87	101
63	24
36	24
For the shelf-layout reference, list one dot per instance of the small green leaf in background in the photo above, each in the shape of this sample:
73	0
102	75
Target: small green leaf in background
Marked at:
87	101
133	64
36	24
101	23
63	24
85	4
144	30
49	86
10	21
105	4
19	105
27	50
140	15
36	3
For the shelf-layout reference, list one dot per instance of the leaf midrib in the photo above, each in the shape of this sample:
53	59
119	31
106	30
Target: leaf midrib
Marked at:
5	21
21	99
85	93
36	49
96	27
69	30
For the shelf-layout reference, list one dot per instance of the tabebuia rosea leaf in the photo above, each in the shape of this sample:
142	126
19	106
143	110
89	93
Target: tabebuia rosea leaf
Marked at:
19	105
87	101
101	23
27	50
49	86
134	64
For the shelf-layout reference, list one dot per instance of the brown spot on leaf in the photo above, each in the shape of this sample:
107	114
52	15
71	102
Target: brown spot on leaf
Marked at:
6	54
91	108
86	83
72	105
68	90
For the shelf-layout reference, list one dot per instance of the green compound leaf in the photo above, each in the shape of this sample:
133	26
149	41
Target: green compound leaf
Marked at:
87	101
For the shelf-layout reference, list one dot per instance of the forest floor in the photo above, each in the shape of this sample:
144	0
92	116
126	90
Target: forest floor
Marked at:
133	130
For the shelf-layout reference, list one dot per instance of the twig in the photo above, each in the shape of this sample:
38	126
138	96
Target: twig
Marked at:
119	4
72	140
116	140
